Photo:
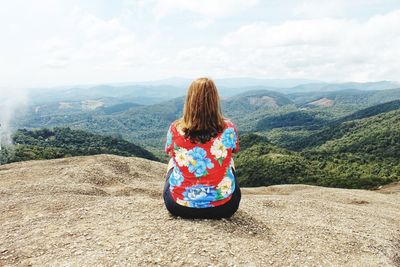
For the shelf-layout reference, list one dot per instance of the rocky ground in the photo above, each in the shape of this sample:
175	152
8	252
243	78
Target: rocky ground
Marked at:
108	211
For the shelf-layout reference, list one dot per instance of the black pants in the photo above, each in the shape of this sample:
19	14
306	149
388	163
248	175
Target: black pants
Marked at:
225	210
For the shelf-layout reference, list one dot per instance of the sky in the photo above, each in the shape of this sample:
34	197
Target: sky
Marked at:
67	42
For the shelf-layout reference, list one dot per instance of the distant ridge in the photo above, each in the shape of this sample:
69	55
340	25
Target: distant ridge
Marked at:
382	120
379	85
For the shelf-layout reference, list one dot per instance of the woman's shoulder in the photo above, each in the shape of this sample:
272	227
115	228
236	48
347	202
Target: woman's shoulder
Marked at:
175	126
229	123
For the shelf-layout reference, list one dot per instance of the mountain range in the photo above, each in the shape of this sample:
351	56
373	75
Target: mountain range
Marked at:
336	136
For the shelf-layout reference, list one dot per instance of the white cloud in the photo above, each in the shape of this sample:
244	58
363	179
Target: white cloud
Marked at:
322	48
208	8
336	9
76	42
203	23
290	33
57	62
94	45
57	54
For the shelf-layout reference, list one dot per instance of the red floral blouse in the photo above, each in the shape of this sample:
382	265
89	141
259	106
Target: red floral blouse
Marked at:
202	176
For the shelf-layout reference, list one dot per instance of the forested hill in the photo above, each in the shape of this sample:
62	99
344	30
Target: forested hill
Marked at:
257	110
376	126
360	153
371	111
64	142
378	136
343	138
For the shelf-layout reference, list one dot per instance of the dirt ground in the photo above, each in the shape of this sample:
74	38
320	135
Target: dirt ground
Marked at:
108	211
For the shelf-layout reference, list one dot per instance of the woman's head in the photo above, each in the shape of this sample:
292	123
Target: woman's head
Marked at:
202	117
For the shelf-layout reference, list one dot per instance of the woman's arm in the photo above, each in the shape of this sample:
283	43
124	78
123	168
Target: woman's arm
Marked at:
170	164
233	164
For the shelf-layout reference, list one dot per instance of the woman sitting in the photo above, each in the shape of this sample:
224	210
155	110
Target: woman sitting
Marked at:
201	178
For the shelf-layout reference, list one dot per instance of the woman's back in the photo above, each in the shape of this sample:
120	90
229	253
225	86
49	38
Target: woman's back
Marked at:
202	176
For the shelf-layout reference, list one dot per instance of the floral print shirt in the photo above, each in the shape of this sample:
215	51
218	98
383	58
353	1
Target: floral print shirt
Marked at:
202	176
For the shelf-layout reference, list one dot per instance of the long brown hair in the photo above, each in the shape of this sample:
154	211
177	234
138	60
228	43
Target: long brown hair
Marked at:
202	117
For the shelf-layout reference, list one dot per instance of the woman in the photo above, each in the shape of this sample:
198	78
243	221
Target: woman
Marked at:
201	179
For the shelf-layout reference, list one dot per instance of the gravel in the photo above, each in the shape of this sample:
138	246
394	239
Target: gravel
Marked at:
108	210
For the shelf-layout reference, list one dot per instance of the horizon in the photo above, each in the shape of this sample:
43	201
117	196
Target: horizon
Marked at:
66	43
169	82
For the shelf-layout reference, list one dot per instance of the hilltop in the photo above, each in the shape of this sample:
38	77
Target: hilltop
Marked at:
108	210
63	142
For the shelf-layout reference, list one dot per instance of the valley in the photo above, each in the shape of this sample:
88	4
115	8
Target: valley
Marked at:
344	135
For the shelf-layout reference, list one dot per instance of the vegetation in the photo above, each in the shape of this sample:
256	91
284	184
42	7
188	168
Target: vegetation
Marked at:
362	153
260	163
371	111
64	142
377	135
348	138
297	118
257	110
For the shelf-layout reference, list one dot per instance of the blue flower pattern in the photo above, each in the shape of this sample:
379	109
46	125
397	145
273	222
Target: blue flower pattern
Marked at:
176	178
229	138
200	196
199	163
231	176
169	138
